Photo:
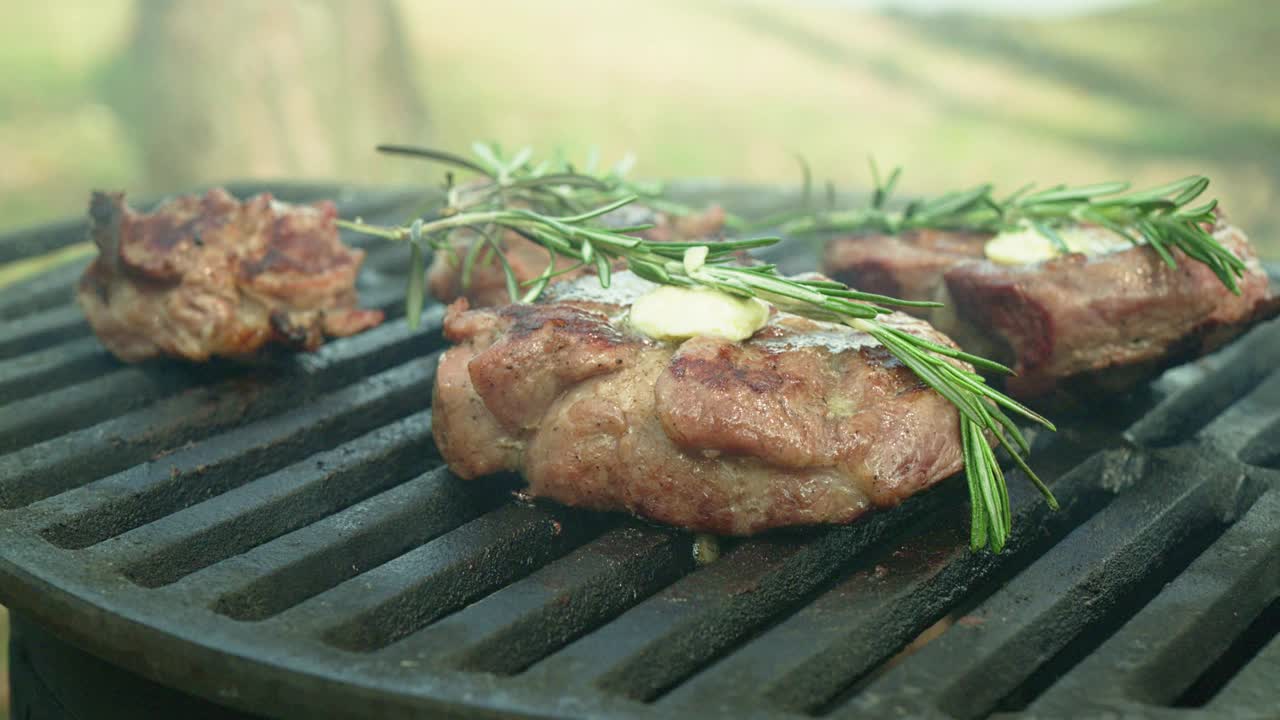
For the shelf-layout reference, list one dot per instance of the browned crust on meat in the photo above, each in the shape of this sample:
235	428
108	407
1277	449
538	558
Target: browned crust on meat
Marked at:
908	267
1071	326
806	423
1121	317
546	350
206	276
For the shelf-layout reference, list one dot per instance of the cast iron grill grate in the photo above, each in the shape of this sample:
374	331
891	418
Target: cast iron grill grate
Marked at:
286	541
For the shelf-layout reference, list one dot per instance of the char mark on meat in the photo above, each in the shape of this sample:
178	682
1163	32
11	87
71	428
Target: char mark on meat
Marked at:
1072	326
206	276
805	423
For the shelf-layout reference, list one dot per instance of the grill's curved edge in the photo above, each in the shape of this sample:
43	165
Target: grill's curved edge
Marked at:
259	679
262	679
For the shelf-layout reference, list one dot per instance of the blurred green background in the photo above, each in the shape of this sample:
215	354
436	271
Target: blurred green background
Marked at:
161	95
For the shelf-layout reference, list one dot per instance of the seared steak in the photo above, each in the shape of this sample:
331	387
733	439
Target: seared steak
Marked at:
1076	323
1107	321
211	276
804	423
909	266
528	260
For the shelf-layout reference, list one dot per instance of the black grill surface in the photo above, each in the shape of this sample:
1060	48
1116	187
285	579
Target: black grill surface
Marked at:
286	541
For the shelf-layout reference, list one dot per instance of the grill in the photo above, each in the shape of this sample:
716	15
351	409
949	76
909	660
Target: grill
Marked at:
287	542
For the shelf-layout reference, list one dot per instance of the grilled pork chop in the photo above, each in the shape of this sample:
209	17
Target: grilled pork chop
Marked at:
1073	325
528	260
211	276
804	423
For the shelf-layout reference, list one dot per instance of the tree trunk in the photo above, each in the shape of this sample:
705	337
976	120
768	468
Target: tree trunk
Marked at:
278	88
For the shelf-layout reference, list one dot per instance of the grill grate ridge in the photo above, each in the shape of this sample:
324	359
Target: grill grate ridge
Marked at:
509	630
149	492
37	372
114	390
1191	621
405	595
161	552
72	460
1163	568
82	359
282	573
1233	430
1237	370
806	663
75	407
1263	449
655	645
44	292
1254	687
409	591
994	650
40	330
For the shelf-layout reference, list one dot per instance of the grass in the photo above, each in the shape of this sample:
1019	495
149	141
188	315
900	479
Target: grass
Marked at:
57	137
733	88
1194	79
955	99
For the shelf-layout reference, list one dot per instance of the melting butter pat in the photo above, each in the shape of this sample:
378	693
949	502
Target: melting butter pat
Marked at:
678	313
1027	245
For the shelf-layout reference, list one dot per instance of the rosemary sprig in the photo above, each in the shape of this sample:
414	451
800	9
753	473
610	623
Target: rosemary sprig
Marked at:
1161	217
550	213
557	183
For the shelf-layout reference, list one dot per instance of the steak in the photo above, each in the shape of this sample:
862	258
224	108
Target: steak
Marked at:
528	260
804	423
206	276
909	266
1072	326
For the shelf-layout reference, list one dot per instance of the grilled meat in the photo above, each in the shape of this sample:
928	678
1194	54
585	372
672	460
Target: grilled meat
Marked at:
1108	321
909	266
211	276
804	423
528	260
1071	326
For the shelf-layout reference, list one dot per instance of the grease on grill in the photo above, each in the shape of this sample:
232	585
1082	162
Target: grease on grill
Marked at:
706	548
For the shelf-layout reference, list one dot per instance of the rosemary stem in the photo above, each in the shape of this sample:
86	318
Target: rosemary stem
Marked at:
517	200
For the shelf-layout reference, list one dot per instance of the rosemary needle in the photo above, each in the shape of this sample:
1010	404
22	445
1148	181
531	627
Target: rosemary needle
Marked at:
1161	217
556	206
